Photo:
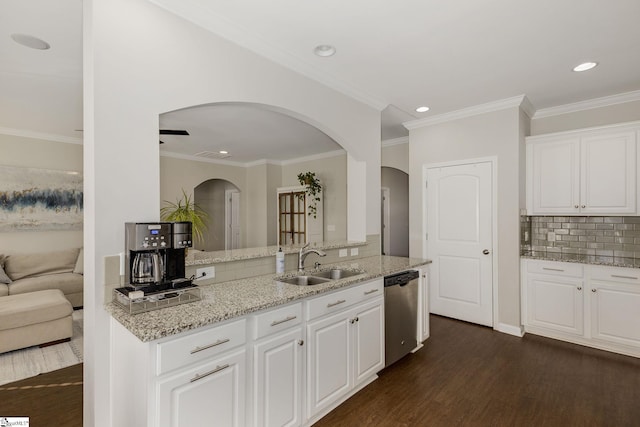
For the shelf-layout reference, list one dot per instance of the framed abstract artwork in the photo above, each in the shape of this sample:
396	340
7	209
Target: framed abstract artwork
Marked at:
40	199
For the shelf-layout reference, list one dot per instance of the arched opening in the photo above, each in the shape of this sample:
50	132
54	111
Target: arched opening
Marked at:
220	200
395	212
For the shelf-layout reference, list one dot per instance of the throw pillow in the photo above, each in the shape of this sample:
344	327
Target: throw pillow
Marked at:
79	268
3	276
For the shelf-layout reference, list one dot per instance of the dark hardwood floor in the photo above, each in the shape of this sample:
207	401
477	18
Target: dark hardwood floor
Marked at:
469	375
51	399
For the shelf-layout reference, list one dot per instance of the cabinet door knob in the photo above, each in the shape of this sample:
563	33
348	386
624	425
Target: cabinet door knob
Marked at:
300	342
579	288
576	206
486	252
583	206
593	290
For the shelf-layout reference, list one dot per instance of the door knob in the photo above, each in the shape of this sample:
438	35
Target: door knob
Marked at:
486	252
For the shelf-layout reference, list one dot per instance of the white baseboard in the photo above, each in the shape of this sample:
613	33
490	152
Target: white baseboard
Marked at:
518	331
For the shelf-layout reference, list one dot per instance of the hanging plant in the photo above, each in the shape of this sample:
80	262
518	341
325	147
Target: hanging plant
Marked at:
186	210
312	189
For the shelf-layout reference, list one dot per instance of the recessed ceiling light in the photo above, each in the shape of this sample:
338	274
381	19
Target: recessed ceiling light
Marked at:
584	66
30	41
223	152
324	50
422	109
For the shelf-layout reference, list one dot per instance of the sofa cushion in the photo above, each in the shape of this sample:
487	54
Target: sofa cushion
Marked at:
68	283
36	307
25	265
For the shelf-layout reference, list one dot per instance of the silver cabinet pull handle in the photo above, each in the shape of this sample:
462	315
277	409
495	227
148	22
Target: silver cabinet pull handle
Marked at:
277	322
211	372
340	301
552	269
371	291
624	277
222	341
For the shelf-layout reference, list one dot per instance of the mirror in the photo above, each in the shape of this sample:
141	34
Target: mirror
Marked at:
234	157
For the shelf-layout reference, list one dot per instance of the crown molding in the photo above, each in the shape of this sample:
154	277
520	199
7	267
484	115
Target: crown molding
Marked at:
516	101
204	17
254	163
40	135
589	104
395	141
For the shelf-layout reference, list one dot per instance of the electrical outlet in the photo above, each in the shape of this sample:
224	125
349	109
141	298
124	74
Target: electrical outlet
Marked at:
205	273
342	253
331	227
354	251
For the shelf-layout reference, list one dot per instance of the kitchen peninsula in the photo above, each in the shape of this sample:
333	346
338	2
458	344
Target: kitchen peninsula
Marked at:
255	350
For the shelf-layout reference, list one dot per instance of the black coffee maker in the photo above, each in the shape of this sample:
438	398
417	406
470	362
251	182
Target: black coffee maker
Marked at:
155	255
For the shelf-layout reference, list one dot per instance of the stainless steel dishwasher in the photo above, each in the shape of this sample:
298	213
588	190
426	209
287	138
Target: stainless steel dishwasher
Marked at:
400	315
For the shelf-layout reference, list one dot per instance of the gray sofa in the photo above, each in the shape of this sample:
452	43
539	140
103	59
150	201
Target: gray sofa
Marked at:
24	273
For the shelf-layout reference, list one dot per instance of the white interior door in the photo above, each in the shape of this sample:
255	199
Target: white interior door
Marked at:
459	241
232	237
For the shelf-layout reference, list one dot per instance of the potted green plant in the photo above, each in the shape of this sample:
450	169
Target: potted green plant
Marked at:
312	189
186	210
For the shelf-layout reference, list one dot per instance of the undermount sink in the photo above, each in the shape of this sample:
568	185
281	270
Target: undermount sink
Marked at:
304	280
336	274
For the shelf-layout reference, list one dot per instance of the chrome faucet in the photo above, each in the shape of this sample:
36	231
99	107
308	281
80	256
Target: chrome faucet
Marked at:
303	254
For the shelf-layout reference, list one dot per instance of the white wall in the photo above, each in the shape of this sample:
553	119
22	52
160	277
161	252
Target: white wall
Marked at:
492	134
396	156
611	114
37	153
140	61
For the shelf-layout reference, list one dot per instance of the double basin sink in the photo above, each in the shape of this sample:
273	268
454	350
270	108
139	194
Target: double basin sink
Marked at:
319	277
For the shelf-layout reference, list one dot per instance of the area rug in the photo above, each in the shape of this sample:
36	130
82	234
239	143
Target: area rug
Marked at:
19	364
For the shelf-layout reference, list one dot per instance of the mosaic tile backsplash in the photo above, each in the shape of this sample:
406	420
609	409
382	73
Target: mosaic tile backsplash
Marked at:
579	237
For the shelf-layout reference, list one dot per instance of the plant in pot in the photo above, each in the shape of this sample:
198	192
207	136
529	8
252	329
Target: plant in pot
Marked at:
186	210
312	189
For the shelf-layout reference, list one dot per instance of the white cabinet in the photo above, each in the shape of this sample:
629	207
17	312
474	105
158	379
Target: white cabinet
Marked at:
590	172
615	306
555	300
278	361
211	393
346	348
591	305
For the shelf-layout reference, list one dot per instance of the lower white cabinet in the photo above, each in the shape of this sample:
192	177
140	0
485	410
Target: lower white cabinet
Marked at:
210	393
255	370
277	379
597	306
345	349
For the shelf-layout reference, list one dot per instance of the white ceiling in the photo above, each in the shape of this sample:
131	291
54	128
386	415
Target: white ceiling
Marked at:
447	55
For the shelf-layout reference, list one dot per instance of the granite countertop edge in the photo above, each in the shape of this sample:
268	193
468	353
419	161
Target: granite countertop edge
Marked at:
586	259
228	300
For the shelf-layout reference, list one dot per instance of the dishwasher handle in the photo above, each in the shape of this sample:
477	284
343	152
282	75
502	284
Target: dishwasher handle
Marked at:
401	278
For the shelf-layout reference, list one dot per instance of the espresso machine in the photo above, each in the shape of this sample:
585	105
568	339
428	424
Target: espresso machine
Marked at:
154	254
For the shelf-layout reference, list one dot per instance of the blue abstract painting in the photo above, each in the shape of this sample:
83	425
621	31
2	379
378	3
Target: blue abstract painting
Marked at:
40	199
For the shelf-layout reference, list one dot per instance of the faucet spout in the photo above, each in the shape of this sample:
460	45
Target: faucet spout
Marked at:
304	252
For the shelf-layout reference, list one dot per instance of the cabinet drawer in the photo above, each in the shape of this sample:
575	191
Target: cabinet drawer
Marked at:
277	320
556	268
182	351
616	274
338	300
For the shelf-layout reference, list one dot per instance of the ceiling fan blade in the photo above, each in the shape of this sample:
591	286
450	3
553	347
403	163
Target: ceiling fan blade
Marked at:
173	132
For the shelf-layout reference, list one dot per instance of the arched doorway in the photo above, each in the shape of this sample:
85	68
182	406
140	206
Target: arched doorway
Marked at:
220	199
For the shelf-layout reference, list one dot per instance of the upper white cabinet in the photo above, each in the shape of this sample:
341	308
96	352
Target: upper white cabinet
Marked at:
588	172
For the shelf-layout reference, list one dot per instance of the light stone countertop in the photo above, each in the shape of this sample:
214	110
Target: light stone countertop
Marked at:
223	301
582	259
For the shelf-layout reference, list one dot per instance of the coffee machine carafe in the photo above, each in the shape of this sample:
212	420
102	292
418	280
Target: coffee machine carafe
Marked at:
153	262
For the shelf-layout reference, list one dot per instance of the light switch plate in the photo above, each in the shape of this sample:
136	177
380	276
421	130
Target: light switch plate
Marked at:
331	227
342	253
354	251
